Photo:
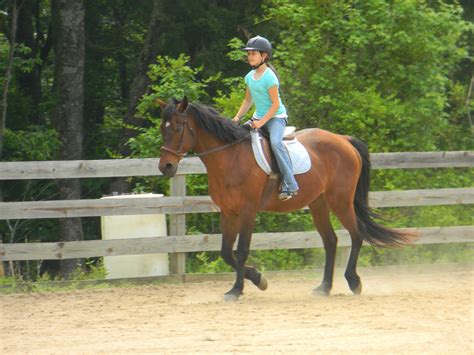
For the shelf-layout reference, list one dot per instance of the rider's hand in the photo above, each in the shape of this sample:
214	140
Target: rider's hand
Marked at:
256	124
236	119
248	125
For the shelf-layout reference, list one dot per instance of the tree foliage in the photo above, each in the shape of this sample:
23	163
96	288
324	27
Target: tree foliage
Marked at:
393	73
375	69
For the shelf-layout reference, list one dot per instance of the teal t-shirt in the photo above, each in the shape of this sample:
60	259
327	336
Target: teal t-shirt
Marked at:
259	92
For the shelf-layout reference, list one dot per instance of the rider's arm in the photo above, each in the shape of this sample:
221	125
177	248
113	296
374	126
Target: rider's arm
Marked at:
246	104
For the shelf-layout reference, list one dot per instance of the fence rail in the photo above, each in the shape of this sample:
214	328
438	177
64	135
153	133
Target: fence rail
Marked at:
202	204
178	205
205	242
145	167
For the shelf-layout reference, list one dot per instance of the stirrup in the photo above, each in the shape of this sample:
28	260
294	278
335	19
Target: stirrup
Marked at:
286	195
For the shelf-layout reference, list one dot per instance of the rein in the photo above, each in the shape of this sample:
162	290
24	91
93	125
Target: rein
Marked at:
217	149
181	154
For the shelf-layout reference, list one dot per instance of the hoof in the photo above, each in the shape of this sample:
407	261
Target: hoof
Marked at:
321	291
358	290
263	284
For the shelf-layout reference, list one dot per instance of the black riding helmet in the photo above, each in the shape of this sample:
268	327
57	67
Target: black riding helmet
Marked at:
260	44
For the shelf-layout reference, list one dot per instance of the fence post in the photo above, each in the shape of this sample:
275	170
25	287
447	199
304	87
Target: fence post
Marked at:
178	225
2	272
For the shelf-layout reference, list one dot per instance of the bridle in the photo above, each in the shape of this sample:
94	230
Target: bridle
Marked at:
180	154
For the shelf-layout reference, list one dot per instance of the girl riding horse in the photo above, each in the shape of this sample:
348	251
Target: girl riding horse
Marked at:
262	89
337	181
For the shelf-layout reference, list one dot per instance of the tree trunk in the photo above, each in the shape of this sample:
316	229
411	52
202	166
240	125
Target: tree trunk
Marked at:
69	45
8	75
137	89
8	71
31	35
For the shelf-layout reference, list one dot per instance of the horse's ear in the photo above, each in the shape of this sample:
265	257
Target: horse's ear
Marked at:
161	103
183	105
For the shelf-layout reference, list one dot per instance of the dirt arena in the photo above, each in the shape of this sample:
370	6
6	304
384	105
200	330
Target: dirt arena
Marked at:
401	310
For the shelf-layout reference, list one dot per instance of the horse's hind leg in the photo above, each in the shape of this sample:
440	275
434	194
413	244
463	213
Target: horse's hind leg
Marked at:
320	212
343	208
351	275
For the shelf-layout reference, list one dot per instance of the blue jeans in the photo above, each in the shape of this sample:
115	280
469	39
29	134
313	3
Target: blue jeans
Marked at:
276	127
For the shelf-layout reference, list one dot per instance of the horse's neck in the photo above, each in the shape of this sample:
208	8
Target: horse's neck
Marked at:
206	142
220	164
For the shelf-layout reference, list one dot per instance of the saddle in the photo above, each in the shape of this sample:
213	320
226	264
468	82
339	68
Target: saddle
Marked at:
299	156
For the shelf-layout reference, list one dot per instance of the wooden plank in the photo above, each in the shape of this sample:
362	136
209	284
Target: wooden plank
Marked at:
106	207
206	242
204	204
145	167
443	235
91	168
78	168
299	240
178	225
417	160
424	197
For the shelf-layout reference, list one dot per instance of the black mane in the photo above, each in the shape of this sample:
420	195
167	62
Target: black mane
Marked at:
213	123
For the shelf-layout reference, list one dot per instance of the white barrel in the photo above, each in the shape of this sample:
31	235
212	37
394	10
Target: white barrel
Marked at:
134	226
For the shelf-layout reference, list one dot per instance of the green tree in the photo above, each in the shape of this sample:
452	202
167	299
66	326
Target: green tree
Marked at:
375	69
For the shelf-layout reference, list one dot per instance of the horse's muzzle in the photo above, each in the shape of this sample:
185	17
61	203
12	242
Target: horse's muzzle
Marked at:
168	169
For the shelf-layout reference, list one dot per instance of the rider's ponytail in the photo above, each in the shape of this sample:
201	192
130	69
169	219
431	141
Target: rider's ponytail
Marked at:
278	77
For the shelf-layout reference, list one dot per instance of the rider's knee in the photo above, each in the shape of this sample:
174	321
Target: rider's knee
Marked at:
276	144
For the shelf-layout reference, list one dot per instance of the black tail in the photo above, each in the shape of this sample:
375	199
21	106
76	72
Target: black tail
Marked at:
371	231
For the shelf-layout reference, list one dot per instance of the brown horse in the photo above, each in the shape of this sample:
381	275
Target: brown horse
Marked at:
338	181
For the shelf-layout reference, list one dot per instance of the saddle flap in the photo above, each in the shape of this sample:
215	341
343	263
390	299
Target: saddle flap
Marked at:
299	156
258	152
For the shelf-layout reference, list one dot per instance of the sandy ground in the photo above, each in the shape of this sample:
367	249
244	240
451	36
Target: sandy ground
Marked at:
400	311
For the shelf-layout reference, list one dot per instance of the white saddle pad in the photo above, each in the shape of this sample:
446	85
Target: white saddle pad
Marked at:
299	156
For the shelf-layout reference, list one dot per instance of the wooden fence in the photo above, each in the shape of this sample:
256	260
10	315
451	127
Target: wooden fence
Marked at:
178	205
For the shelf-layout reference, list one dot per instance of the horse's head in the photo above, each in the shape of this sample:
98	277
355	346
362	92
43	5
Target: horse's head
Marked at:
178	135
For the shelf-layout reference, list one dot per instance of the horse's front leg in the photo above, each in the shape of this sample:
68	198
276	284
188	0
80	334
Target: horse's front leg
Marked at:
230	228
230	224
